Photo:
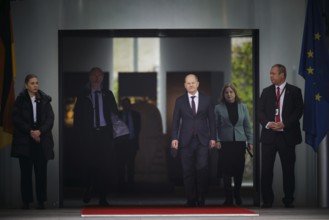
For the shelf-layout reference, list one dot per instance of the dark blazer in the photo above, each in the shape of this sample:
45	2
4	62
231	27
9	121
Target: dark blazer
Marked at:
84	113
137	124
186	124
23	124
291	113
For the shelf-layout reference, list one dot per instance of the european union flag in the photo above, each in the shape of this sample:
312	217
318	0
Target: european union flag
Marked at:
314	67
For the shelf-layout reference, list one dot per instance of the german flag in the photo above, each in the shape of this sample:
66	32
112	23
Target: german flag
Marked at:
7	74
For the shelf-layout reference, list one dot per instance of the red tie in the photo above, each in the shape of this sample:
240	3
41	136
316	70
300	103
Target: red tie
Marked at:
277	116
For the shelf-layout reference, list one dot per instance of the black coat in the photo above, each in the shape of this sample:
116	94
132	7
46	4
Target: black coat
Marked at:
291	113
84	112
23	124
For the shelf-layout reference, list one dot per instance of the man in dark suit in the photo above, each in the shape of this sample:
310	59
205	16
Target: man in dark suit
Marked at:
280	108
194	131
92	120
127	147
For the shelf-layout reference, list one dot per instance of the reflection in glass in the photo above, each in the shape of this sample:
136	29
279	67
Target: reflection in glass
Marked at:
69	111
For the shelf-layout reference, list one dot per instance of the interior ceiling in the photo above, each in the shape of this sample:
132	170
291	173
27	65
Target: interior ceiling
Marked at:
159	33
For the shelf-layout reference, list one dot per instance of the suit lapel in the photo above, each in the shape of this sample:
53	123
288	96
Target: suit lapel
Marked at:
286	99
224	110
272	96
188	105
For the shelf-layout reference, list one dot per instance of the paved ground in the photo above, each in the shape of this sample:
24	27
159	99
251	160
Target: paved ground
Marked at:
70	214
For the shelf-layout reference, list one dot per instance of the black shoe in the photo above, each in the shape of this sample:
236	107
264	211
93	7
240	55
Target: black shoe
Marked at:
289	205
40	205
103	203
228	203
26	206
190	203
201	201
267	205
238	202
87	195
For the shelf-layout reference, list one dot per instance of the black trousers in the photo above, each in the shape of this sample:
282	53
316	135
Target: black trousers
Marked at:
126	150
194	158
37	162
288	157
100	162
231	160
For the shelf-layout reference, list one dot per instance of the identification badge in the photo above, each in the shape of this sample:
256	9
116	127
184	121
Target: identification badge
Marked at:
277	111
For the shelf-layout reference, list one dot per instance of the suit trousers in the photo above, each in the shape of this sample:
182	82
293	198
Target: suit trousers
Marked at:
287	157
126	150
100	162
37	162
194	158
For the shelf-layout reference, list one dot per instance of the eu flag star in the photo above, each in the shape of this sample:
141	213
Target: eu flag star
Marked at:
310	70
310	54
317	36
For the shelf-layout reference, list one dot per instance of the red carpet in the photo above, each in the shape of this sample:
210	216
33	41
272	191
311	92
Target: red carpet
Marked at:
166	211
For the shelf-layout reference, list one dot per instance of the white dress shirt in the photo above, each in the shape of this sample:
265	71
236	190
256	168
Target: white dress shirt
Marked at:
196	100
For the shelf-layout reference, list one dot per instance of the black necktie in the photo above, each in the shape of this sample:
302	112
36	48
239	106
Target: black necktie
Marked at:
193	105
97	121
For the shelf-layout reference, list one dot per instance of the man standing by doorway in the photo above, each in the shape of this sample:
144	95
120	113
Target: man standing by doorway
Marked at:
92	120
280	109
194	132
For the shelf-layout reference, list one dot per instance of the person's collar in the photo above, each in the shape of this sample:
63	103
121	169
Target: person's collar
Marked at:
196	94
96	90
282	85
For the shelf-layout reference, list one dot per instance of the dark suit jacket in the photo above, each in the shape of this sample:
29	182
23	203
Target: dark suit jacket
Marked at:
137	125
185	123
84	112
291	113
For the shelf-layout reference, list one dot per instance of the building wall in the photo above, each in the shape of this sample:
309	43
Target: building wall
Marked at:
36	23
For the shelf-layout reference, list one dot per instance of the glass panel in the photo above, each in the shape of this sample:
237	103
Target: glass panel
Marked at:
243	80
148	54
146	51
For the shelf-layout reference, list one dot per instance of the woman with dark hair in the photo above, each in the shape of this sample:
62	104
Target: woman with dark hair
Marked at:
33	144
234	134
